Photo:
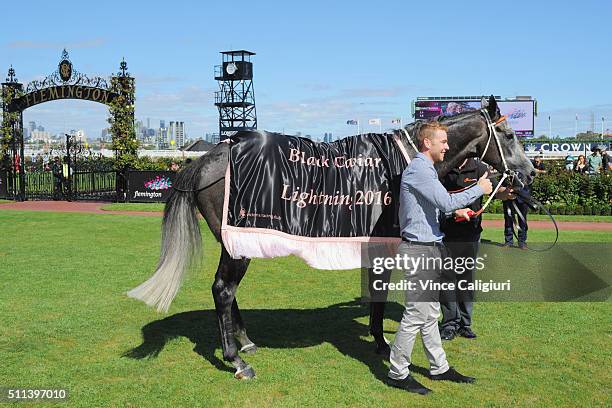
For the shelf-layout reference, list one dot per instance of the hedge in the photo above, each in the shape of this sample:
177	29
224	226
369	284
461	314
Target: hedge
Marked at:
569	193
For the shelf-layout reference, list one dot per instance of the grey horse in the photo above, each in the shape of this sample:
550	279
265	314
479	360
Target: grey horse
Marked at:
201	185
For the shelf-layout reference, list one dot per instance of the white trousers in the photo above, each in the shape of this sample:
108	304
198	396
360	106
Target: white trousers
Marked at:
421	315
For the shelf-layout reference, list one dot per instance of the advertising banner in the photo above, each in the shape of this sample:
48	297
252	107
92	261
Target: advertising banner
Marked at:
559	149
520	113
150	186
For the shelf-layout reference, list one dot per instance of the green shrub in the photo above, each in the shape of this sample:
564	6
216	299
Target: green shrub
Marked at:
570	189
578	210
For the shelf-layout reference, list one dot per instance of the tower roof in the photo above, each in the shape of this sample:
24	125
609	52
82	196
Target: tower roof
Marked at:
238	52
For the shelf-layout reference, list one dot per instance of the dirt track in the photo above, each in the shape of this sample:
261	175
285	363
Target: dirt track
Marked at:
95	207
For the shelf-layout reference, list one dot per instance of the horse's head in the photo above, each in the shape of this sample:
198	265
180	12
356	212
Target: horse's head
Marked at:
486	134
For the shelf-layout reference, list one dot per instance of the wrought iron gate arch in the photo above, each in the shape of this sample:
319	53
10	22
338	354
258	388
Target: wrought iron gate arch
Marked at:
65	82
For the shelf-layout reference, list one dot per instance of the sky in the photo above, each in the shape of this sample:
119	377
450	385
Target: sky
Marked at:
319	63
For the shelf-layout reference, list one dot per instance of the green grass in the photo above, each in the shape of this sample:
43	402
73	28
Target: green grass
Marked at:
542	217
2	201
66	323
153	207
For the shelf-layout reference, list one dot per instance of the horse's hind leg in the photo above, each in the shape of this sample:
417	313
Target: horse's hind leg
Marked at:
239	328
227	278
378	301
240	331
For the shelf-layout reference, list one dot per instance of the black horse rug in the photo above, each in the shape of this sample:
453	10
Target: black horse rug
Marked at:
287	195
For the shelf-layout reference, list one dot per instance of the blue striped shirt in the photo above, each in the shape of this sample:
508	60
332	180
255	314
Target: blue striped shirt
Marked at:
423	199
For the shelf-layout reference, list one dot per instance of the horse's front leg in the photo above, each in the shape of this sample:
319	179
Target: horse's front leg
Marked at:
229	273
378	300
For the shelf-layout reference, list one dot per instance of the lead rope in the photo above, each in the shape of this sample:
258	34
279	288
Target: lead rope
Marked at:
534	204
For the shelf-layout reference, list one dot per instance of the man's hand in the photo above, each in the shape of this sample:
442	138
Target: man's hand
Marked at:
505	193
485	183
463	214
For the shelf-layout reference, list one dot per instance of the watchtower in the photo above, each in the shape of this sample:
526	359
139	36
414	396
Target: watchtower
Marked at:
236	97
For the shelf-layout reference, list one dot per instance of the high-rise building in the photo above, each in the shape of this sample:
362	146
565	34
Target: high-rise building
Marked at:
32	126
105	135
171	135
41	136
176	132
138	129
162	141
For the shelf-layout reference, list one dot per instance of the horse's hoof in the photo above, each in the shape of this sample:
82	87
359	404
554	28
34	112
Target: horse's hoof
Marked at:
249	348
246	373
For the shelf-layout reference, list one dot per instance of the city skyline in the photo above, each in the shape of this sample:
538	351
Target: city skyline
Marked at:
357	63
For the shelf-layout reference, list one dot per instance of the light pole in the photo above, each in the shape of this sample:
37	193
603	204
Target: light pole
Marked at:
576	127
549	128
602	126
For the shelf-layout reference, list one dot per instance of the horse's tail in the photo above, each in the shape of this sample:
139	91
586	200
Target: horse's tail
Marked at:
181	243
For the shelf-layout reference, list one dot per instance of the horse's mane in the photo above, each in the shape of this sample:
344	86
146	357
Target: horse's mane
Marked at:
446	119
454	118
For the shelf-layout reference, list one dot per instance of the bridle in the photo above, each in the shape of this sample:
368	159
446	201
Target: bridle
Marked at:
511	175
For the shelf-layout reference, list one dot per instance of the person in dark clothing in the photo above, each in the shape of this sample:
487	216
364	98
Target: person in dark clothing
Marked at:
538	165
581	165
462	241
605	161
58	179
511	216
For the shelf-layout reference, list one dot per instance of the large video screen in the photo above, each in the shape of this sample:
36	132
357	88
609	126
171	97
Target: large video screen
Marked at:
520	113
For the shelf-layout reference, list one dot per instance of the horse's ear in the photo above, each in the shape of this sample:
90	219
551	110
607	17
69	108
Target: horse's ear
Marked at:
492	108
483	103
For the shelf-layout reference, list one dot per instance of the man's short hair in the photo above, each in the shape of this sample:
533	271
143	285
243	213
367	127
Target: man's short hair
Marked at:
427	130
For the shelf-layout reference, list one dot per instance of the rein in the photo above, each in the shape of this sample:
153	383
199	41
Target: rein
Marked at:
534	204
199	189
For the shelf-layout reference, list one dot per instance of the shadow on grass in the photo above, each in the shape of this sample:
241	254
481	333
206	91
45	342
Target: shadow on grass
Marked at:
272	328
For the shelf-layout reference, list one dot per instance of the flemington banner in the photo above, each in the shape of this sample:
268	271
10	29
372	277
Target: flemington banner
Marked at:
320	201
150	186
